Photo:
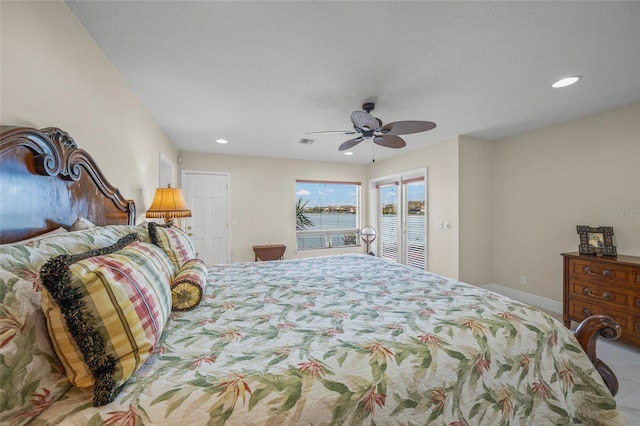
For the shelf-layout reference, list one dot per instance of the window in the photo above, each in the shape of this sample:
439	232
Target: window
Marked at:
327	214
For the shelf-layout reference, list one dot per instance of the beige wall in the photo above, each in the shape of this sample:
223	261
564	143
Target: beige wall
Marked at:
263	197
513	203
441	161
53	74
271	182
545	182
476	196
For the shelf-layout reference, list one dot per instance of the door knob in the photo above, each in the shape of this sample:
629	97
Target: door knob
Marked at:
189	227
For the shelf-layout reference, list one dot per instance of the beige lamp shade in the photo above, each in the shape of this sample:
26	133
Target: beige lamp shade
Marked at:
168	203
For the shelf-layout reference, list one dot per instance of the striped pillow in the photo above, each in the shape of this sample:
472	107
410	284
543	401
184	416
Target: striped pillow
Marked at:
187	288
106	313
175	243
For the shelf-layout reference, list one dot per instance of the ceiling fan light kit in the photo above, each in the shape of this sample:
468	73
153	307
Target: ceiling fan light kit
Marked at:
370	127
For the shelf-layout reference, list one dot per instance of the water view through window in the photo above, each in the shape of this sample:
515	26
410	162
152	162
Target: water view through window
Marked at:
402	213
327	214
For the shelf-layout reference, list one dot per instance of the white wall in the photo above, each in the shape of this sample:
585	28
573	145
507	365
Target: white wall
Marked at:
53	74
545	182
263	198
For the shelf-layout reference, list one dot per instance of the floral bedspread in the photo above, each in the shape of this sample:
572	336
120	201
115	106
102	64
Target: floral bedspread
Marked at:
353	340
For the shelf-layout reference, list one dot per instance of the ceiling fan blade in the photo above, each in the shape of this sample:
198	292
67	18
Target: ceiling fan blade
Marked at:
390	141
364	120
335	132
350	144
407	127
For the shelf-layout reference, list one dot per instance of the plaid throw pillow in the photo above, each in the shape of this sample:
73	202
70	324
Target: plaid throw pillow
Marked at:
175	243
188	287
106	313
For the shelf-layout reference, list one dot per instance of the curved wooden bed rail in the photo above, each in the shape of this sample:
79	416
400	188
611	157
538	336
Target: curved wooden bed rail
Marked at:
47	182
587	334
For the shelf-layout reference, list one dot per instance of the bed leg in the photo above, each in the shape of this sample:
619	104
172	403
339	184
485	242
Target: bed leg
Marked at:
587	334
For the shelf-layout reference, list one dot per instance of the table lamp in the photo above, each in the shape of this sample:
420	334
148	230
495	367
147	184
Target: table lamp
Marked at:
168	203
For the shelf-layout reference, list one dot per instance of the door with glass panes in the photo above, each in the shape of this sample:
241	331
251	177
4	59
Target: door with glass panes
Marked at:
402	221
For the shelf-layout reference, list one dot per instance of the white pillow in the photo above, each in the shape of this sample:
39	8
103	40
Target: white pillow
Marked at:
81	224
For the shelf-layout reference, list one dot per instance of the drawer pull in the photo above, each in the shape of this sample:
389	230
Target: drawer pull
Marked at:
606	295
586	312
605	274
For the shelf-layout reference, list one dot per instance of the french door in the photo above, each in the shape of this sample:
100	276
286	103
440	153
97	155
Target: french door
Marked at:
402	213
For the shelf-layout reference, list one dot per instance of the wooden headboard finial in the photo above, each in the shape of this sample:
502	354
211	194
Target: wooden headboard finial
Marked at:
56	160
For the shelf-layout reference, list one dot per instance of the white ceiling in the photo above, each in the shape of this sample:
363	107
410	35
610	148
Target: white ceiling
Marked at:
261	74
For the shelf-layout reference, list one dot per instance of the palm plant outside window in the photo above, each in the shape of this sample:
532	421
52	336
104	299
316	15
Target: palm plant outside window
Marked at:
327	214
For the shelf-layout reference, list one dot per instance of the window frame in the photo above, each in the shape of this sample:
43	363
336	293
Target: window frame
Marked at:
330	234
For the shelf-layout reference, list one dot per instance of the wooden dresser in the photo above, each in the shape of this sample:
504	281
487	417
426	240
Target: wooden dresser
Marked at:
606	286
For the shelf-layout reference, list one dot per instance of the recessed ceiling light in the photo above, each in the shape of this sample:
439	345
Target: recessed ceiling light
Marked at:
222	141
348	153
567	81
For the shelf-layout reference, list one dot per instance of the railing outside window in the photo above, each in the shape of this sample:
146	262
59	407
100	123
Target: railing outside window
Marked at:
308	240
327	214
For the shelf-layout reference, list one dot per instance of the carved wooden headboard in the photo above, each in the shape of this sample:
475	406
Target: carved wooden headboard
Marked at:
47	182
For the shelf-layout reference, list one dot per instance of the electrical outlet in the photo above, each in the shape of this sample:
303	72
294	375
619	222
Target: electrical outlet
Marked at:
523	279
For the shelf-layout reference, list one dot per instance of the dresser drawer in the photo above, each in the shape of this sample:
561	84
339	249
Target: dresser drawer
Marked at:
596	270
579	310
595	292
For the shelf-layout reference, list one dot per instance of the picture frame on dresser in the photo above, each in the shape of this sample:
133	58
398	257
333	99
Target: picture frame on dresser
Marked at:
596	240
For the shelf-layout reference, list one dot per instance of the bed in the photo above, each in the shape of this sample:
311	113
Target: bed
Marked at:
350	339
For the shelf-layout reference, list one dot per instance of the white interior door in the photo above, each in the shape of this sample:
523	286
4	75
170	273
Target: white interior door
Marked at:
207	195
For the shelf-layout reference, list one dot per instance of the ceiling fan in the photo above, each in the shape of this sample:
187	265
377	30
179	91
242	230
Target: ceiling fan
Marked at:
370	127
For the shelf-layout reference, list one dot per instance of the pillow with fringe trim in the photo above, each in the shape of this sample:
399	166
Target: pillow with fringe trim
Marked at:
105	311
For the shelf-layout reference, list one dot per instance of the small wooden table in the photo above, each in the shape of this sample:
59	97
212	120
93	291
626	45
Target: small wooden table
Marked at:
269	251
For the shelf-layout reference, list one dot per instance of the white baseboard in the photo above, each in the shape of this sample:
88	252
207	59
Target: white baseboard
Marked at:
522	296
